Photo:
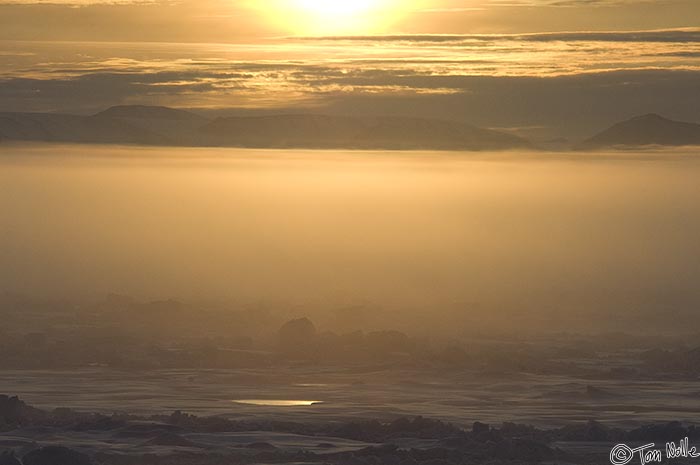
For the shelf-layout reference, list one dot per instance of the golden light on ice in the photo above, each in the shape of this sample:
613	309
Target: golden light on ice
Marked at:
332	17
278	403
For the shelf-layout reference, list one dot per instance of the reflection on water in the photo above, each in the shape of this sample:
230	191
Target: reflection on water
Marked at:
279	403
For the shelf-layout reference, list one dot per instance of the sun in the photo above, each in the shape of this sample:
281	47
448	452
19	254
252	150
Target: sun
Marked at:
338	17
335	9
332	17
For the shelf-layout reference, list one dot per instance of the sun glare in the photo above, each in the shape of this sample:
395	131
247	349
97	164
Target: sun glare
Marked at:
330	9
333	17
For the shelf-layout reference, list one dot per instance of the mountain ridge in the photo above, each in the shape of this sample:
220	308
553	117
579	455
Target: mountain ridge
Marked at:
149	111
347	132
165	126
151	125
56	127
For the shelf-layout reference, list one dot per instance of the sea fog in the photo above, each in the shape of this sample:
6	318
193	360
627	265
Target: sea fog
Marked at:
414	241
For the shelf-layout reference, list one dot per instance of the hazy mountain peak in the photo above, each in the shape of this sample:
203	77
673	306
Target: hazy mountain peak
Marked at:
145	111
649	117
649	129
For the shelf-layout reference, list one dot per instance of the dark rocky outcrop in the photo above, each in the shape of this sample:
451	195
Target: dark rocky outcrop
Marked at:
56	455
14	413
297	337
9	458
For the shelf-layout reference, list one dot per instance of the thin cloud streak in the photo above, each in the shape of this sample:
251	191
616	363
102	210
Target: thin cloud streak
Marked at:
680	35
447	7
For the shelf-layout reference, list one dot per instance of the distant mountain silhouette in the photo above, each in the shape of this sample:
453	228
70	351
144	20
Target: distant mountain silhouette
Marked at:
47	127
178	127
149	125
650	129
150	112
342	132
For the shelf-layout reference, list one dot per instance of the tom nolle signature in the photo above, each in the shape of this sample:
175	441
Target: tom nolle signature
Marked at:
622	454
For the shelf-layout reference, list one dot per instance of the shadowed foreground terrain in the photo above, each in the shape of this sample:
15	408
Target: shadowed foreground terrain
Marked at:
68	437
132	389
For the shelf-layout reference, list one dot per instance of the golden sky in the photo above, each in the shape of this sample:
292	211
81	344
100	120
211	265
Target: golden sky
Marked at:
232	20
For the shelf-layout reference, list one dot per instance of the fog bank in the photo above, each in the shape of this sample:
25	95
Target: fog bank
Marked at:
403	240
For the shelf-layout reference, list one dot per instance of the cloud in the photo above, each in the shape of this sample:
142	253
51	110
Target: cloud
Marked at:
562	3
680	35
78	3
440	6
181	21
